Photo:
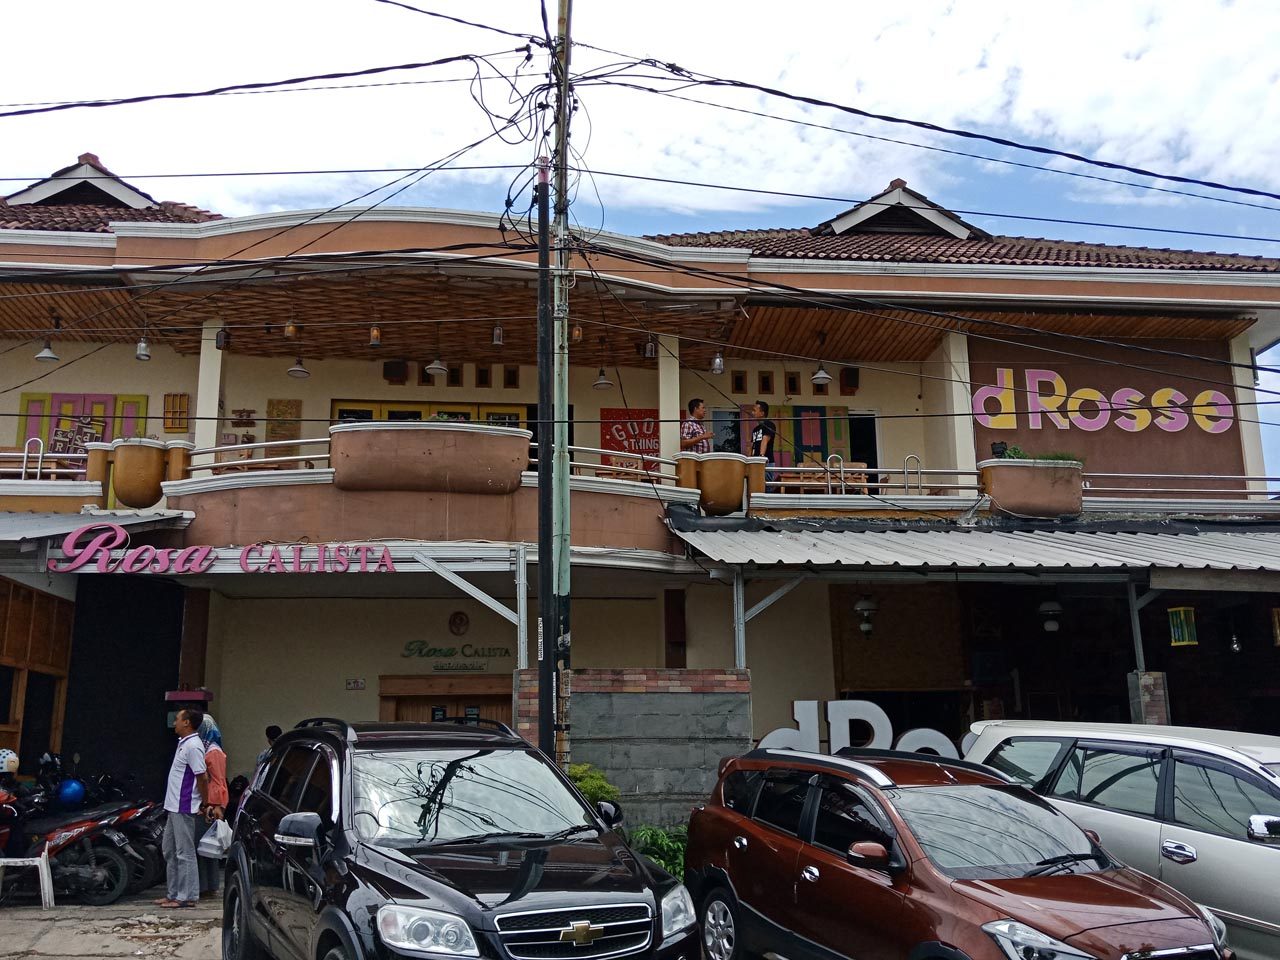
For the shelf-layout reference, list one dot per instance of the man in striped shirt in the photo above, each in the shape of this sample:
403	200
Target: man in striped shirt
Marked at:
184	796
694	437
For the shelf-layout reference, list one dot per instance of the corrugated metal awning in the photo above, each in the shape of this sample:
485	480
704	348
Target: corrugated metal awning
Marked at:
985	549
17	529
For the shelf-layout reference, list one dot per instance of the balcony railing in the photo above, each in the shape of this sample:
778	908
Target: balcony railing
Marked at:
834	477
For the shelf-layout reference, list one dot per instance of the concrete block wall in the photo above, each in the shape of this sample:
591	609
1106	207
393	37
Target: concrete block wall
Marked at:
658	734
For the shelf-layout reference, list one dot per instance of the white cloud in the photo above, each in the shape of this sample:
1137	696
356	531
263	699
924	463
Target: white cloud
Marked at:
1187	87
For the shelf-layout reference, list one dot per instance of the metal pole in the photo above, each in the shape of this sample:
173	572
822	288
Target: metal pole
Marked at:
547	620
560	404
522	608
1135	625
739	621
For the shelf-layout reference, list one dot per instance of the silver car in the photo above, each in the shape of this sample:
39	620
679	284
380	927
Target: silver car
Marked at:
1198	809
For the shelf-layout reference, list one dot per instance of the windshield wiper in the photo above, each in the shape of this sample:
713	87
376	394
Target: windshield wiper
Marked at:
482	837
1054	863
568	832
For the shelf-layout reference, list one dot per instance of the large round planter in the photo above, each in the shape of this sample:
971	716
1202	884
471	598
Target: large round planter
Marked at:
1044	489
756	467
720	479
436	456
138	472
687	470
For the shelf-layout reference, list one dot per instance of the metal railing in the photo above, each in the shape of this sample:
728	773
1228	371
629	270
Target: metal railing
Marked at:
16	465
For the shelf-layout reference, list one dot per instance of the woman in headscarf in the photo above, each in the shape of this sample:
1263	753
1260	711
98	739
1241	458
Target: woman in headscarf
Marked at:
215	760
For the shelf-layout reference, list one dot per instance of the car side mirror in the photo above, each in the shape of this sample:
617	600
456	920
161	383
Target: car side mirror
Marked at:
869	854
300	830
610	813
1093	837
1264	828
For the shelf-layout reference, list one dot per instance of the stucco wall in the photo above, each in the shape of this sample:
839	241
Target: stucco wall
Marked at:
789	649
278	661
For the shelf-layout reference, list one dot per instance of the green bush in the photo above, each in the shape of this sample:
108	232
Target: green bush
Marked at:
664	847
592	783
1017	453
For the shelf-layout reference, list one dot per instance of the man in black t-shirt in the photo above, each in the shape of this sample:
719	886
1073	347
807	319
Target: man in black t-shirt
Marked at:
763	437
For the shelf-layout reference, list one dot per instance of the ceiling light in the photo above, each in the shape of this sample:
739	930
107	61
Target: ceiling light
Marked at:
298	370
602	382
144	349
436	369
1050	611
291	330
375	336
717	363
575	334
47	355
222	339
820	377
650	349
497	335
866	608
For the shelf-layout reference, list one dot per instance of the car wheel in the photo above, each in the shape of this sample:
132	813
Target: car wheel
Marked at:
721	932
335	953
238	942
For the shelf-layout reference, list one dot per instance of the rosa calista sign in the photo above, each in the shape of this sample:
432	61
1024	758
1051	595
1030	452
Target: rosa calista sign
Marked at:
106	548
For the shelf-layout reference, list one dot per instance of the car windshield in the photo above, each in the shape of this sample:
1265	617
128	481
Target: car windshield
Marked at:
408	798
981	832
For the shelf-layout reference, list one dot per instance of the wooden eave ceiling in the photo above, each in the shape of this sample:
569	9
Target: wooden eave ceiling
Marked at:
414	308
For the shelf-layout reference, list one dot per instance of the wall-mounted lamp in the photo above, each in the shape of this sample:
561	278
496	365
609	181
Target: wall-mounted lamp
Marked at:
375	336
866	609
222	339
498	337
1050	611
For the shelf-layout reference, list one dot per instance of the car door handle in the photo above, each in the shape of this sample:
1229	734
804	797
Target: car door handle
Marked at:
811	874
1178	852
740	843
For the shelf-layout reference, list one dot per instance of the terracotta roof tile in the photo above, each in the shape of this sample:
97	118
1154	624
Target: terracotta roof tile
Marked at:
815	244
89	218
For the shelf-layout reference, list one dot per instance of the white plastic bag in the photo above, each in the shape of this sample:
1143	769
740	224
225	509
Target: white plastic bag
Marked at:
215	841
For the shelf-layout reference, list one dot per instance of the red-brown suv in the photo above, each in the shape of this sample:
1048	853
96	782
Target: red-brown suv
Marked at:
876	855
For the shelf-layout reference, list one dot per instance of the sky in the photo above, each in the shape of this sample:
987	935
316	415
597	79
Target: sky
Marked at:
1181	87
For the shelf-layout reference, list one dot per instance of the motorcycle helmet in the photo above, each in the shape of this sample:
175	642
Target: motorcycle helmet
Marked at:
8	762
71	794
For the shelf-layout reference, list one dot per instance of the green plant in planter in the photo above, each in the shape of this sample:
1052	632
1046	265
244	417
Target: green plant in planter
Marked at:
1017	453
666	848
592	783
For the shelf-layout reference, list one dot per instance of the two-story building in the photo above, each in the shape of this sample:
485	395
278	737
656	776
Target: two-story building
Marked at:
303	446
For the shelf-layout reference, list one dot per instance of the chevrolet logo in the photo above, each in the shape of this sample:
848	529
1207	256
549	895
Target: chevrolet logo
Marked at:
580	933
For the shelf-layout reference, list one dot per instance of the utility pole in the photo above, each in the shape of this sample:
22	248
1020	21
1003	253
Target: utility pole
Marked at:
548	621
553	409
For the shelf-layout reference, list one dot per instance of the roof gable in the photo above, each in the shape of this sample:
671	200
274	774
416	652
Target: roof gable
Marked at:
86	181
899	209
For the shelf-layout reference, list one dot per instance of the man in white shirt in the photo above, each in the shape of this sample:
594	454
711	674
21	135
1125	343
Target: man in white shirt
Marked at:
183	798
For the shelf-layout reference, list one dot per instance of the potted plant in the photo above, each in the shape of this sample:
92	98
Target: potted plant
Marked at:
1041	485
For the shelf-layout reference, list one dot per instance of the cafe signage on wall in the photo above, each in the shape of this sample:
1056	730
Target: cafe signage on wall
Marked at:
449	657
105	548
631	431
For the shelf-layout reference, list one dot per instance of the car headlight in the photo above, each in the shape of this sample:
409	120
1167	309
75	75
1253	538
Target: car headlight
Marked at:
419	931
1217	926
1020	942
677	911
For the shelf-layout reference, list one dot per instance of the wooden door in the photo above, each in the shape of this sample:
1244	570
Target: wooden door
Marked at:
423	699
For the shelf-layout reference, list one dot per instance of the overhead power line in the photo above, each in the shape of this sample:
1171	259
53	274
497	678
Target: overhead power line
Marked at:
710	80
260	85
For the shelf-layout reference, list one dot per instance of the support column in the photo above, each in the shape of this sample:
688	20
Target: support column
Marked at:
208	391
739	620
955	352
669	402
1246	397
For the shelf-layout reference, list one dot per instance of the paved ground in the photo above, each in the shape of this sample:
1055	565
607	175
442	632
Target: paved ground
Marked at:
131	928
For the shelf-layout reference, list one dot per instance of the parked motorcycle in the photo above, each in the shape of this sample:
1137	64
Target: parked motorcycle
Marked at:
88	857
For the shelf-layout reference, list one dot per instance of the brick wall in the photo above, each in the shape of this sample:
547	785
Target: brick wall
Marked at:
658	734
1149	697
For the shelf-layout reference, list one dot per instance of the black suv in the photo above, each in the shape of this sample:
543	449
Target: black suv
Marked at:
441	840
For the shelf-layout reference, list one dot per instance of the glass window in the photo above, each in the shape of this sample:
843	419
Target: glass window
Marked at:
415	797
985	832
739	790
290	773
845	818
1027	761
1118	781
1216	801
781	802
318	789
